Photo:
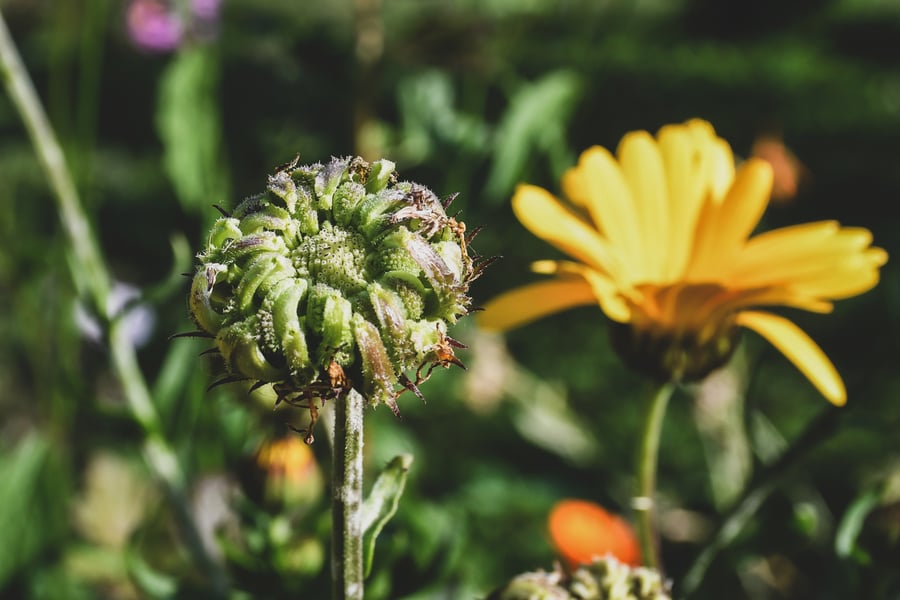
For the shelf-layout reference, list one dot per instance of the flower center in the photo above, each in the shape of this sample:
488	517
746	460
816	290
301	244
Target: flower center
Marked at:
335	257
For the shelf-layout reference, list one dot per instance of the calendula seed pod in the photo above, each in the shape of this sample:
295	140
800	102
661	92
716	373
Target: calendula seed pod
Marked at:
337	276
603	579
608	579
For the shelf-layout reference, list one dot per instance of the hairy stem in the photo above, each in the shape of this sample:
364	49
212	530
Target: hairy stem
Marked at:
347	480
91	276
648	452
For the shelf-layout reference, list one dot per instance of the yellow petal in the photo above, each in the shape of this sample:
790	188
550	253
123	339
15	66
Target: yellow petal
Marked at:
531	302
735	300
598	185
800	350
847	277
722	230
818	258
611	297
794	244
721	169
683	156
745	202
642	165
546	218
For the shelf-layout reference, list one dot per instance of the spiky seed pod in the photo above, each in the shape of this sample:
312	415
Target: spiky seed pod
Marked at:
337	276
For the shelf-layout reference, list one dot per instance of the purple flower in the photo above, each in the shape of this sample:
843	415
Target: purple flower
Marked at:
206	10
156	25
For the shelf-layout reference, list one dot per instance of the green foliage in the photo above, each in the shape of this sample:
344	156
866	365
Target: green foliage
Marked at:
382	502
534	125
189	124
31	517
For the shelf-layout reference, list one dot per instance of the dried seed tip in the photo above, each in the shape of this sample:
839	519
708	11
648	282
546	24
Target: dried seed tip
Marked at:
336	277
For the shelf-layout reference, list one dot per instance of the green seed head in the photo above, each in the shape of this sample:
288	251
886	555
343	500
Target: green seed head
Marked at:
337	276
608	579
603	579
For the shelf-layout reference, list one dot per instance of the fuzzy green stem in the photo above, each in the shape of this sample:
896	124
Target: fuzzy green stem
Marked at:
756	492
648	452
89	272
347	480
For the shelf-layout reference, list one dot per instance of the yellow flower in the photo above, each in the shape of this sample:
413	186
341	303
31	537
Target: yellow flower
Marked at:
660	235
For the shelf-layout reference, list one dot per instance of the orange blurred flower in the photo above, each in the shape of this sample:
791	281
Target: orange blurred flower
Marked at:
291	474
582	530
788	173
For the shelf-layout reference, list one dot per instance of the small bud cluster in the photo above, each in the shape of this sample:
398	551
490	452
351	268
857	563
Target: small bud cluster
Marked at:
609	579
603	579
337	277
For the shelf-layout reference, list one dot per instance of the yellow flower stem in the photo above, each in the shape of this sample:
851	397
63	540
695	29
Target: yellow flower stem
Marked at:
756	492
643	502
91	276
346	492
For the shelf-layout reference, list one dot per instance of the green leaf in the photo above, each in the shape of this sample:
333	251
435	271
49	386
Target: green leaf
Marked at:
189	124
148	580
382	503
853	521
536	119
32	509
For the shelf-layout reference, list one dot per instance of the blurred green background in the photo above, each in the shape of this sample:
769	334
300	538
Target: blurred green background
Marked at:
469	97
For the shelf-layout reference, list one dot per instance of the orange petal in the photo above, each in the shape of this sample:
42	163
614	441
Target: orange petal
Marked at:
800	350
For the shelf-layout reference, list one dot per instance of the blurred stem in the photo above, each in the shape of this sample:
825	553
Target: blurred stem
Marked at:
756	492
643	502
90	271
90	274
346	484
90	61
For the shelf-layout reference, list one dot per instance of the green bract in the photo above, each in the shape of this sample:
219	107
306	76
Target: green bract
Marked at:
336	277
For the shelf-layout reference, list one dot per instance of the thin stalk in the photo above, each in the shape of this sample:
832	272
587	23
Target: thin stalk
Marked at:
643	502
90	273
347	480
756	492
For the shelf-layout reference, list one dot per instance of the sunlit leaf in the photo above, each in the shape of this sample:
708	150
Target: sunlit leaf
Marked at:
151	582
382	503
31	505
188	121
852	523
536	120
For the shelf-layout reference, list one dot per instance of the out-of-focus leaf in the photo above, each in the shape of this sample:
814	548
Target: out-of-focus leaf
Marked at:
852	522
382	503
536	119
31	504
428	109
189	124
148	580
